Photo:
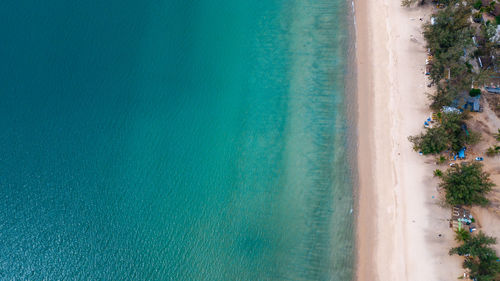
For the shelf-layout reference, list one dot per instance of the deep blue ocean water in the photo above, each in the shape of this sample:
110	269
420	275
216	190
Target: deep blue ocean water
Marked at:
175	140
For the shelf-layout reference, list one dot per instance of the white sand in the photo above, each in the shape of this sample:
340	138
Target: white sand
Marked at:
398	222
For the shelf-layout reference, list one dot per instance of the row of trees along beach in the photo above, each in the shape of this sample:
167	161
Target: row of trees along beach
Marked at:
462	40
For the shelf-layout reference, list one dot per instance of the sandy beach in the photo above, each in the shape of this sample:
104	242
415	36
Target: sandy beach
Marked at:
403	232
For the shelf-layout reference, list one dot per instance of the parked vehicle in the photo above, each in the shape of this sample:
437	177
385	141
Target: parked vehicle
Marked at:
479	159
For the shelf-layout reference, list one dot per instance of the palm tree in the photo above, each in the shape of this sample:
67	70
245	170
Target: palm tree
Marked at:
462	235
493	150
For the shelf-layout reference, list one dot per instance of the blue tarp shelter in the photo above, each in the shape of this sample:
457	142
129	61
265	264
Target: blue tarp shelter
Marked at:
473	104
461	153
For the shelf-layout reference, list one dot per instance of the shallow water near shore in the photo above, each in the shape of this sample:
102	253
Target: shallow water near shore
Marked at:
175	140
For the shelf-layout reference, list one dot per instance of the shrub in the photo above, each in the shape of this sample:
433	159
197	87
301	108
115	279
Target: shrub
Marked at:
466	184
477	17
493	151
441	159
477	5
438	173
408	3
491	6
474	92
462	235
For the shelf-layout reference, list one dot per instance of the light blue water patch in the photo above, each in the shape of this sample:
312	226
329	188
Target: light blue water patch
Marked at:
174	140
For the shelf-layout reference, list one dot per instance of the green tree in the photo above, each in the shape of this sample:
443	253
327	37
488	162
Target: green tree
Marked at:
441	159
451	133
466	184
438	173
433	141
453	124
481	259
477	5
447	39
462	235
476	246
493	151
491	7
441	98
474	92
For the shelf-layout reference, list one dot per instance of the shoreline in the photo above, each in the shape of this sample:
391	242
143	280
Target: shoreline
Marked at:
364	243
402	233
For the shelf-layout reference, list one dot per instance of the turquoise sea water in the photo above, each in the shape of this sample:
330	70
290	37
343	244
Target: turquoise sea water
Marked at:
175	140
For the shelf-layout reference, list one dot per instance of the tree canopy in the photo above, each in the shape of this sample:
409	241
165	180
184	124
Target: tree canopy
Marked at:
408	3
466	184
450	133
481	259
448	39
462	235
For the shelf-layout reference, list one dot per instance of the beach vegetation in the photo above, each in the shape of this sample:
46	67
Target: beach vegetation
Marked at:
490	7
456	129
432	141
450	133
447	37
438	173
481	260
441	160
408	3
466	184
475	246
462	235
477	17
449	40
474	92
478	4
488	31
441	98
493	151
